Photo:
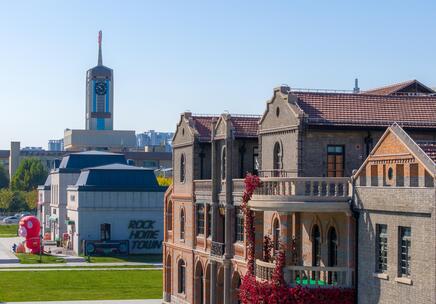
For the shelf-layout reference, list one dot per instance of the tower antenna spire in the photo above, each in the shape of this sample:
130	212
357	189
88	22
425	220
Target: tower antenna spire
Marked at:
100	56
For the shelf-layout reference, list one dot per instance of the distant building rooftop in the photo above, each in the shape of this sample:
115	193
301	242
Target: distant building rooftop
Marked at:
118	177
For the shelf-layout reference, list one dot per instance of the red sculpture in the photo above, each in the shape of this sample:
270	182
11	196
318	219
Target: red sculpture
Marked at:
29	228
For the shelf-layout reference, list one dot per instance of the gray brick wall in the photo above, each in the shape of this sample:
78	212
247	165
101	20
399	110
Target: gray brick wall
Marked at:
422	222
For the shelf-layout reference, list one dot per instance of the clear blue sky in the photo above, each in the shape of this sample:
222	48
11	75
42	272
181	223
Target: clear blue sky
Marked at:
169	57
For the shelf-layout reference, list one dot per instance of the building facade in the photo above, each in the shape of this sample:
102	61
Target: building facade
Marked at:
99	133
67	174
152	140
113	205
55	145
305	148
395	200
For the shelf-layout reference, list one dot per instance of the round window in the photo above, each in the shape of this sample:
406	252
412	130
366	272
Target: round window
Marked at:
277	111
390	173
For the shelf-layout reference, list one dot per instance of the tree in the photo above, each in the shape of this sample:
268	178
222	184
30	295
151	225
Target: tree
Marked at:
6	198
30	174
4	178
12	201
164	181
31	199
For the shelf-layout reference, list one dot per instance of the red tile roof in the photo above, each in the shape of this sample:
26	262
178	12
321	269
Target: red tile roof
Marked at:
203	125
397	87
429	148
342	109
244	125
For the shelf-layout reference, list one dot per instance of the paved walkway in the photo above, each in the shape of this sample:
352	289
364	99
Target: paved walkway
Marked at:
157	301
6	255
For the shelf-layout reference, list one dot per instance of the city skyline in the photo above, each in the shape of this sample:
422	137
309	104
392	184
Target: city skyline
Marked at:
169	55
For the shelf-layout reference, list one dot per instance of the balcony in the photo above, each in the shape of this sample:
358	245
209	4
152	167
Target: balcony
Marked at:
217	249
203	188
308	276
303	194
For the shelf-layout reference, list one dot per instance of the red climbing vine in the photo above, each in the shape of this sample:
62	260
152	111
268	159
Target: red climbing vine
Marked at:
251	183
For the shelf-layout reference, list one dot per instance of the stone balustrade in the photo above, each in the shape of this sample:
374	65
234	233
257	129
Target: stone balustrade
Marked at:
314	276
315	187
203	186
238	185
264	270
300	194
308	276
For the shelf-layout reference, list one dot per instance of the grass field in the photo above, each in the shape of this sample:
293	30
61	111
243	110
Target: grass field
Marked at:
78	267
140	258
80	285
27	258
8	230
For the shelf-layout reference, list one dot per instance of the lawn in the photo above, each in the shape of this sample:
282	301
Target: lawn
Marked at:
80	285
27	258
140	258
8	230
81	267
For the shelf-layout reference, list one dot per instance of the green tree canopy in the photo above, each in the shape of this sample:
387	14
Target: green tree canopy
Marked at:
13	201
6	198
4	178
30	174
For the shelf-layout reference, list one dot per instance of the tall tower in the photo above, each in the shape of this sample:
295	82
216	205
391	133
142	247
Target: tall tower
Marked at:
99	95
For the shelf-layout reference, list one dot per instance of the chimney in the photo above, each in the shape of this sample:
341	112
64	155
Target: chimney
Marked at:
356	89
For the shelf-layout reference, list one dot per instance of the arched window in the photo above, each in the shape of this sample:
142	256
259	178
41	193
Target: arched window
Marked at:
170	216
199	284
277	165
182	276
223	164
276	235
333	247
182	224
316	246
200	219
182	168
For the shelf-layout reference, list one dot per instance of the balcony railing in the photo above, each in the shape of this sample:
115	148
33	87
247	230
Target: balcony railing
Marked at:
318	276
203	187
309	276
306	188
217	249
238	185
264	270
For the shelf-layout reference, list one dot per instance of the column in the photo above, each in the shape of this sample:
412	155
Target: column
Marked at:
349	249
229	228
227	282
213	281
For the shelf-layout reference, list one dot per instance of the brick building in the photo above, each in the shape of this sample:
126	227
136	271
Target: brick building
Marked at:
305	148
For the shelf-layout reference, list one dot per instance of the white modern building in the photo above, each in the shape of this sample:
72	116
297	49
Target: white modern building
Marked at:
67	174
115	209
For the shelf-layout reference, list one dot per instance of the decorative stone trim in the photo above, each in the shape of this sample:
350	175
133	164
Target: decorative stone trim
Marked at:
402	280
383	276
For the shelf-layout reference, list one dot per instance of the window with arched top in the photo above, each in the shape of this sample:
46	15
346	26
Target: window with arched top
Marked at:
182	168
276	235
316	246
170	216
277	161
182	224
223	164
333	247
182	276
